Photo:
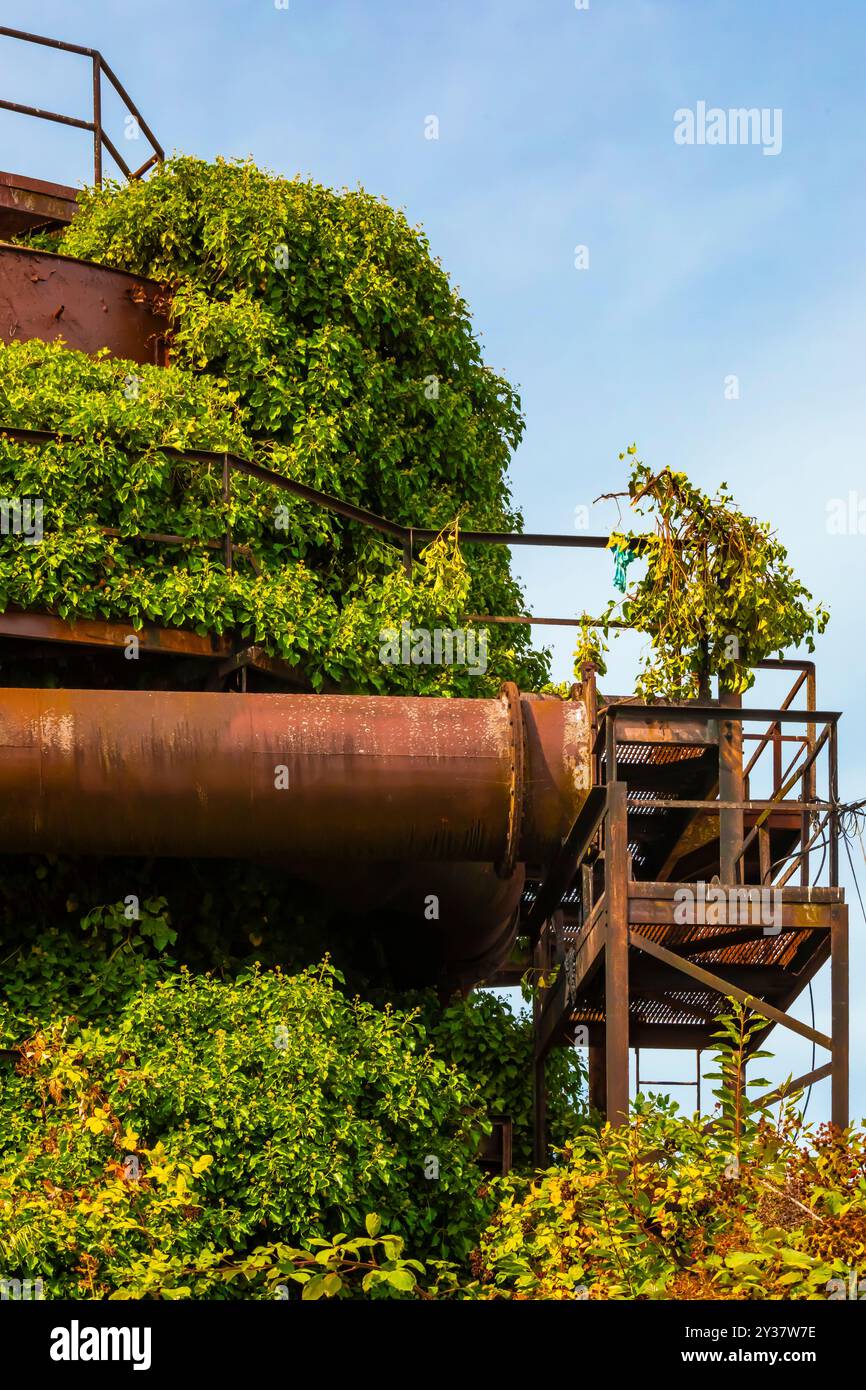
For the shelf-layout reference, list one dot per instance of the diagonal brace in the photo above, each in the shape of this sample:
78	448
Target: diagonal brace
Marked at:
705	977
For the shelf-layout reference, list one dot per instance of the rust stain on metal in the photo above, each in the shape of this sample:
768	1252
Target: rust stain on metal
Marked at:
182	773
93	632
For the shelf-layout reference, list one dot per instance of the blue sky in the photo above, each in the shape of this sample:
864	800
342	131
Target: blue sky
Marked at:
556	130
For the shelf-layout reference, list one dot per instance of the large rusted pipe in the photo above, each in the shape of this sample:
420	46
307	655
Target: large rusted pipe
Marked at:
415	814
299	776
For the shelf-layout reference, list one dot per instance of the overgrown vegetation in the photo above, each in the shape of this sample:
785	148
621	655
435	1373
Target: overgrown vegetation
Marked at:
313	331
188	1107
270	1137
484	1039
716	597
673	1206
106	1033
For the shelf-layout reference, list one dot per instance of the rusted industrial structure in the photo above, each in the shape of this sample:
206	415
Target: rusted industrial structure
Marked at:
615	840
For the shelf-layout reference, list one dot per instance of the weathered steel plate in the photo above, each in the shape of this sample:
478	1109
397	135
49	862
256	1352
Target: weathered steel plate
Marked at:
89	306
27	204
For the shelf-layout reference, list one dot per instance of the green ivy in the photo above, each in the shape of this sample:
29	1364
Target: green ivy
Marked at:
717	595
488	1042
338	353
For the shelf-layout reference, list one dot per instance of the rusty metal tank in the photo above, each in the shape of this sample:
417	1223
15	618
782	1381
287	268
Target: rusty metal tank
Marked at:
46	296
387	805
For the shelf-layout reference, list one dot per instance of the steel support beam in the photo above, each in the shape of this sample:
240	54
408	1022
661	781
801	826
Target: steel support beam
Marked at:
722	986
839	1015
730	789
616	955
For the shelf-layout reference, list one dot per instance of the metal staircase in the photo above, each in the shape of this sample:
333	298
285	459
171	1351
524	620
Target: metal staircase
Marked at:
673	891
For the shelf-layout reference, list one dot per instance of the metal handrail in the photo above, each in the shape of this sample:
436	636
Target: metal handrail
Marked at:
805	773
405	535
95	126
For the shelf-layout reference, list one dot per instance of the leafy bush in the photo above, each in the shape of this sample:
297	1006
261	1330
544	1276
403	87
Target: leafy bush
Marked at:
214	1116
717	595
326	313
656	1209
673	1206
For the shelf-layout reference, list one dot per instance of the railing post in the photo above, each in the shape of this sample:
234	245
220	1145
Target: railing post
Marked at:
610	746
809	784
730	789
839	1014
616	1012
97	119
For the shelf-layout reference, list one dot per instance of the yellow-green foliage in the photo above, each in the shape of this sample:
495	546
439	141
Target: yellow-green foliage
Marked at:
673	1206
717	594
337	352
317	595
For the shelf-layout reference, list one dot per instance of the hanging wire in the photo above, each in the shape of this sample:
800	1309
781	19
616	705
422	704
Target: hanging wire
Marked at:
852	816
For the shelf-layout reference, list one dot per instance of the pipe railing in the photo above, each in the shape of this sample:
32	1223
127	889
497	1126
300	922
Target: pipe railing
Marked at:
100	69
405	536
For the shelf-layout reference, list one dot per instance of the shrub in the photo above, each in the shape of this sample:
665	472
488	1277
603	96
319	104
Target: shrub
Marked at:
216	1116
674	1206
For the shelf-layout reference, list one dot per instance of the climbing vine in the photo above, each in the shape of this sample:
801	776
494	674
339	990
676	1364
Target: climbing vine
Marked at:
313	330
309	587
717	594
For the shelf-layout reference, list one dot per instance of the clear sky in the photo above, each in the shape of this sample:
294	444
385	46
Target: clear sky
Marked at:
556	130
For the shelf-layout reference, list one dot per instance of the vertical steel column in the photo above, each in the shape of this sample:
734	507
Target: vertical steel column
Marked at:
808	786
731	869
97	119
616	1011
839	1014
597	1079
